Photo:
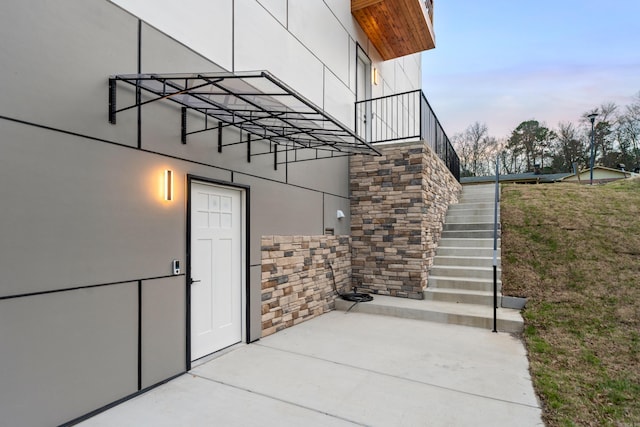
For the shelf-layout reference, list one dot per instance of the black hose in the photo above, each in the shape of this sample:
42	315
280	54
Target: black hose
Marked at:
355	297
333	276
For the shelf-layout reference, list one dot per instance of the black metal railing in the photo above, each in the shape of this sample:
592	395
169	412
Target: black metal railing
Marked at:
405	116
496	202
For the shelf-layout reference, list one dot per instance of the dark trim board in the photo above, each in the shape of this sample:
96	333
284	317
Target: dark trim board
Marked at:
247	214
139	334
187	279
75	288
138	90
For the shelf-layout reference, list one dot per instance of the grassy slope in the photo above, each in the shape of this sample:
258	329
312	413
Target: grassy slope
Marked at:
574	251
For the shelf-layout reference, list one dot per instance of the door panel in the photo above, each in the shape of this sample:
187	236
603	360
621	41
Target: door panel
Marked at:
216	268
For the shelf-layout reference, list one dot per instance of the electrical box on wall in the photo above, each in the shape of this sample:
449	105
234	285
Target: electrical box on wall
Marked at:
175	265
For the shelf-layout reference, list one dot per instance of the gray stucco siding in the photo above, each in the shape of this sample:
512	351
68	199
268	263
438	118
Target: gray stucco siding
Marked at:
79	212
56	58
66	354
163	327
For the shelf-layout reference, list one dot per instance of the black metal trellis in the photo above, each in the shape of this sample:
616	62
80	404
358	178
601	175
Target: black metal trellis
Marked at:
257	104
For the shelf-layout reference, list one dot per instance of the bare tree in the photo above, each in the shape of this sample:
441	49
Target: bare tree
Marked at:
568	148
475	148
628	134
616	135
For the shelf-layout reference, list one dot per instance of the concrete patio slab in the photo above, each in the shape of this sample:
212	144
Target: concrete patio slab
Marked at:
350	369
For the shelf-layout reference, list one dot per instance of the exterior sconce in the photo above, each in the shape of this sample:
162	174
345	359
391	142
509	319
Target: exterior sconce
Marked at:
375	76
168	184
339	214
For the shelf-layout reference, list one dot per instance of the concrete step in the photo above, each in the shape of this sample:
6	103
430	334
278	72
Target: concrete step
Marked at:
470	215
466	251
470	210
475	205
464	272
477	198
466	219
465	283
488	190
469	226
461	296
484	185
465	261
478	316
479	187
468	234
491	194
466	243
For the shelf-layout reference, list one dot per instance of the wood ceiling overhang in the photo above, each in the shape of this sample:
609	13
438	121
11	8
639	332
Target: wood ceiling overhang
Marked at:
396	27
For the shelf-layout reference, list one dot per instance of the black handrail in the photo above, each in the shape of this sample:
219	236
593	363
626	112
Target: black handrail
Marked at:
403	117
495	247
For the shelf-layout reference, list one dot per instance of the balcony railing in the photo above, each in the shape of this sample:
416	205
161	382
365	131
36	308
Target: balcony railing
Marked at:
405	117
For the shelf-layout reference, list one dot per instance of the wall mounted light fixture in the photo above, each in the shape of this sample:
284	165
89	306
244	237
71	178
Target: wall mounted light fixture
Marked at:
375	76
339	214
168	184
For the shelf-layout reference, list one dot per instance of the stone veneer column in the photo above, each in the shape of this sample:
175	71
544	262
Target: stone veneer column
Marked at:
297	284
398	204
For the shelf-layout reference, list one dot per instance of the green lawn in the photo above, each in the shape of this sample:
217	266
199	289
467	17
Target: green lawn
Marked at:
574	251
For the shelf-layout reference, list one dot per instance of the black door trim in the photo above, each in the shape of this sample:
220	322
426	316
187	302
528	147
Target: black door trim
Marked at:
247	215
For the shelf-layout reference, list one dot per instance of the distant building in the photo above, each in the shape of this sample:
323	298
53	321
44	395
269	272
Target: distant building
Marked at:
518	178
601	175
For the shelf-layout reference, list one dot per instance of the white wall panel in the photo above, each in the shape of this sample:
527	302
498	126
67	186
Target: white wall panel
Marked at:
316	27
403	83
261	43
277	8
338	99
387	70
161	54
204	26
342	10
413	69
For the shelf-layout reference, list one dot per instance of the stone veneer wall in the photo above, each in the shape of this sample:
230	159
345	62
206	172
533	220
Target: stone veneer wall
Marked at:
296	278
398	204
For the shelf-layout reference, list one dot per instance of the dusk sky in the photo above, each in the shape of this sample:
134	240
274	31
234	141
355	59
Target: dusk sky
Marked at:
501	62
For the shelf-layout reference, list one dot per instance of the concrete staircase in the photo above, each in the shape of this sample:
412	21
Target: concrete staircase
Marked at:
460	283
462	270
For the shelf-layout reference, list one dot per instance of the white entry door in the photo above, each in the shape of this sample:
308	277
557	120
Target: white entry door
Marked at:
216	268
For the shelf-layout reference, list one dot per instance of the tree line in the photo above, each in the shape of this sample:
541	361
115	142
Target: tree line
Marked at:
534	146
